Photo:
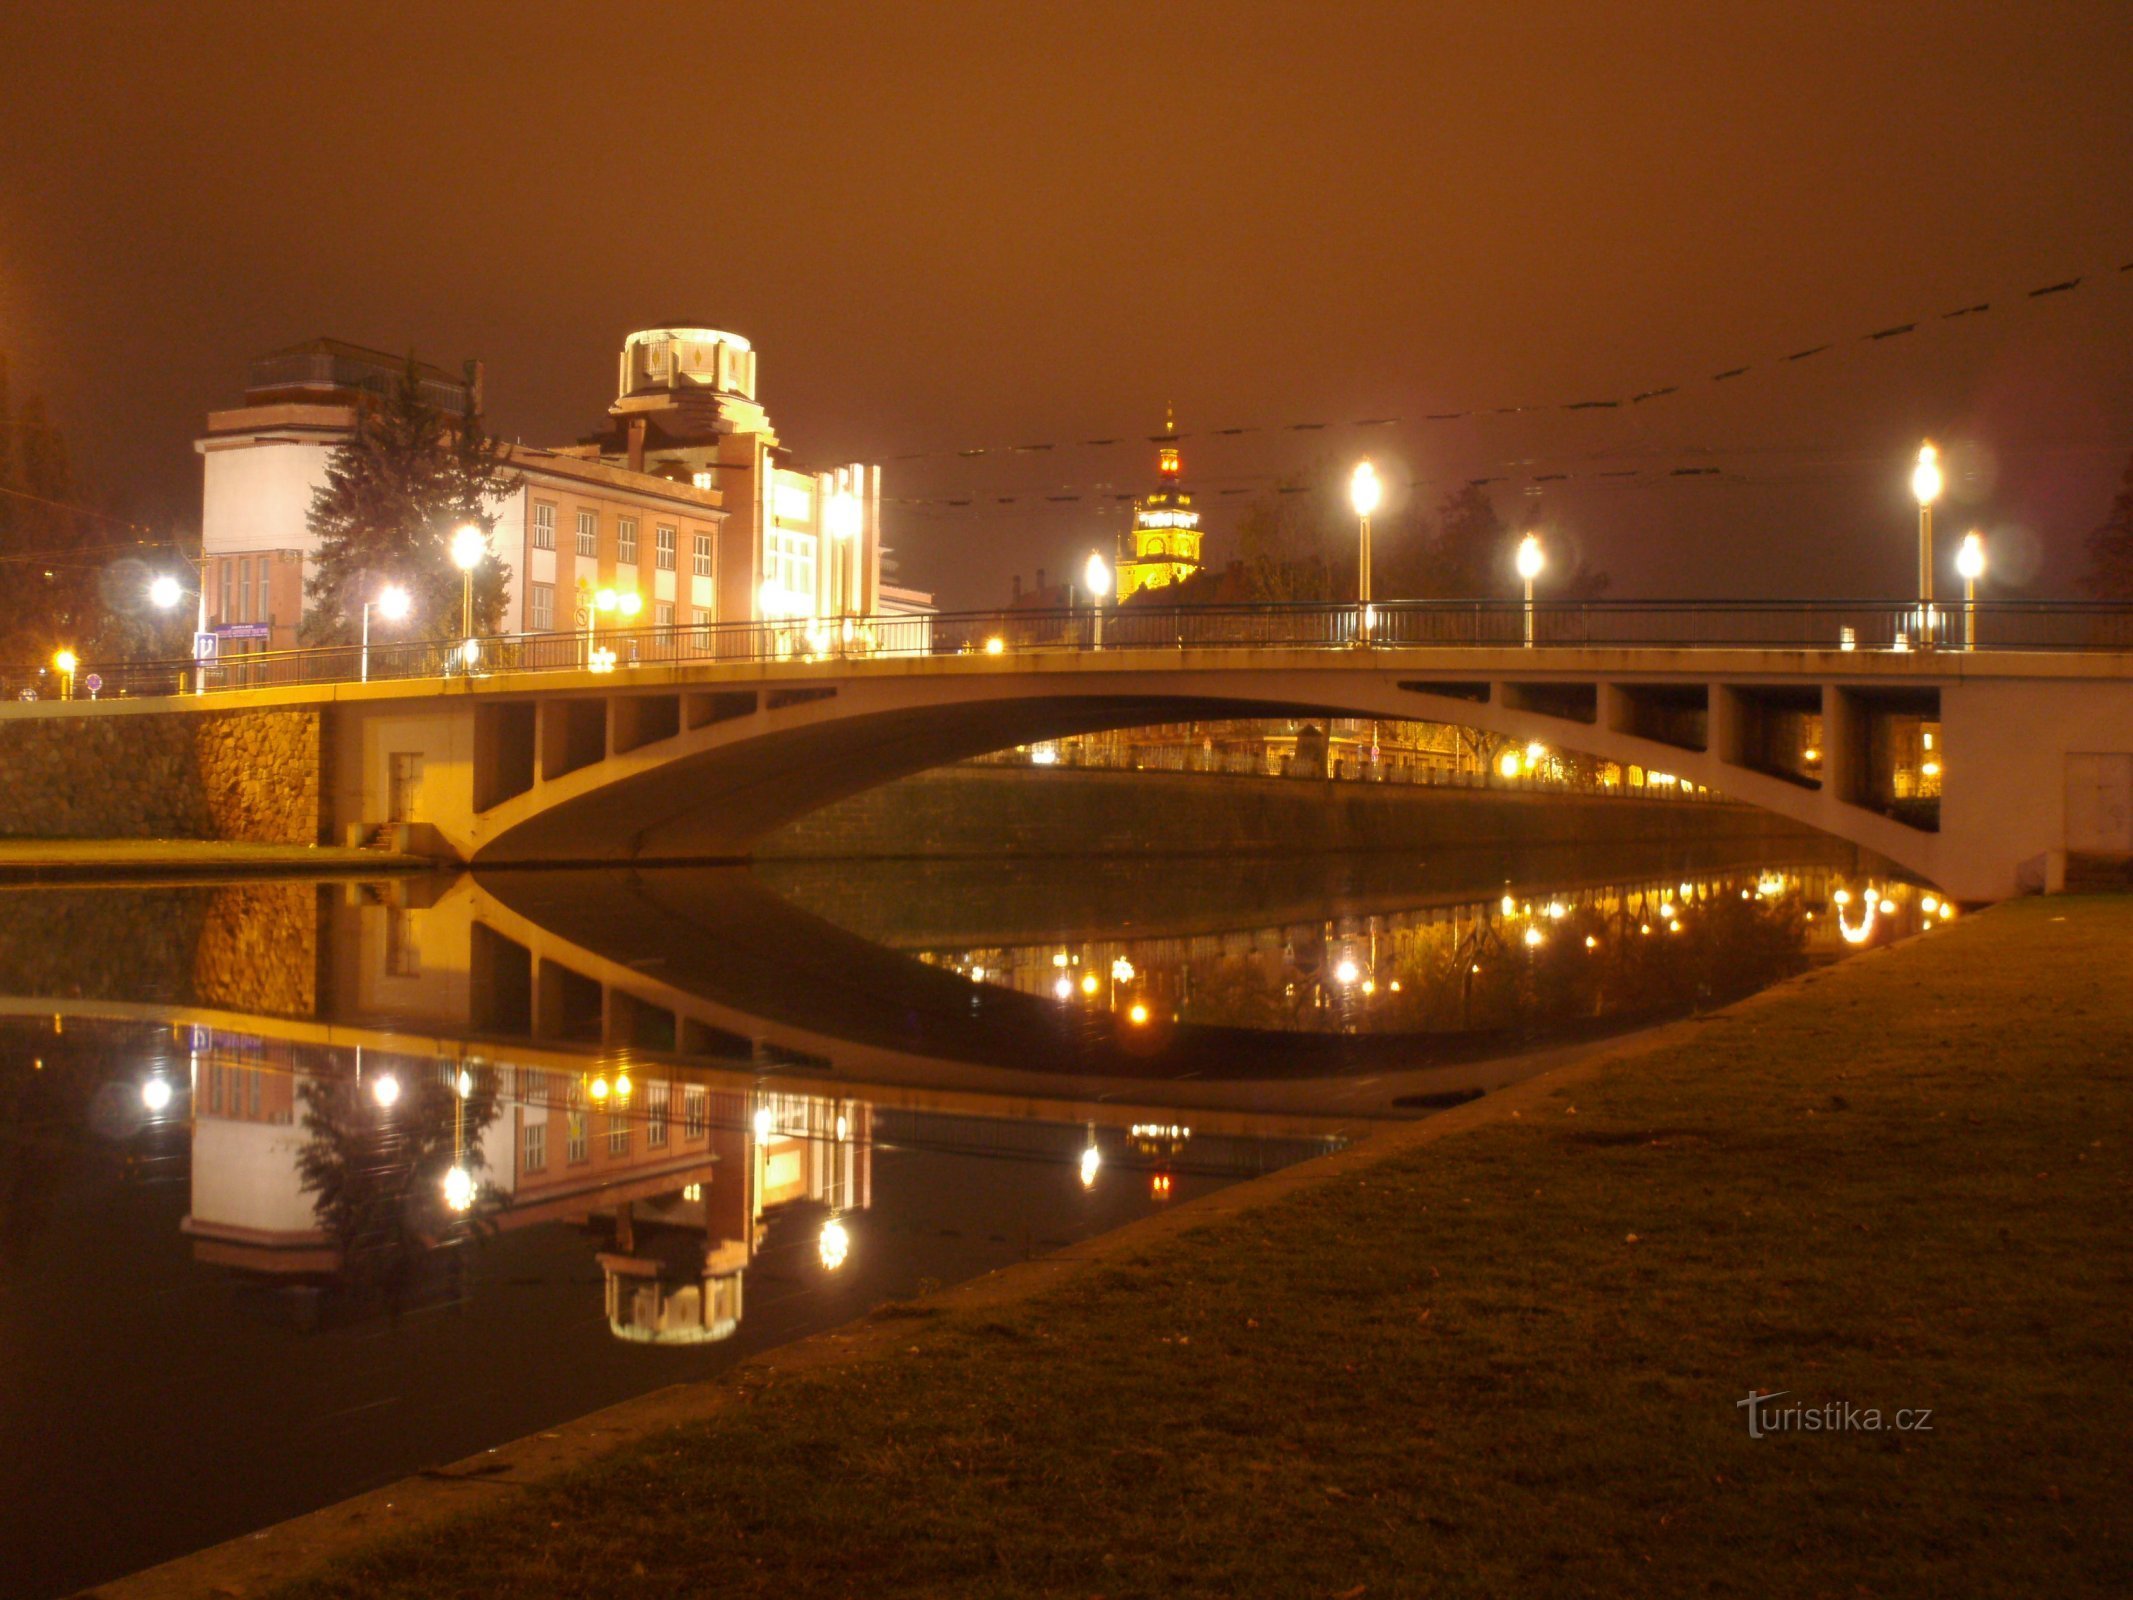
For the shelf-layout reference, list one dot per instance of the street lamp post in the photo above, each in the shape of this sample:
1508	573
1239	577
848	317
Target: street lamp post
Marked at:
393	604
1363	494
843	516
164	592
1531	558
1926	486
469	545
1970	562
1097	576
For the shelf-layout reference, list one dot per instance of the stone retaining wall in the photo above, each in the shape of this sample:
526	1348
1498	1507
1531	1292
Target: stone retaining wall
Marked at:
245	776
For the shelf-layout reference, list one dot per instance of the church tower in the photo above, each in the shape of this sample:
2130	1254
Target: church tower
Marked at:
1166	529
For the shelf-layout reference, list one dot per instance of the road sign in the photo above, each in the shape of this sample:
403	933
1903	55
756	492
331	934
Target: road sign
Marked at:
93	682
245	630
206	646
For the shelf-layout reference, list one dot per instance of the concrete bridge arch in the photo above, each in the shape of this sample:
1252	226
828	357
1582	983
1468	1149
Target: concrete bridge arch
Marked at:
691	761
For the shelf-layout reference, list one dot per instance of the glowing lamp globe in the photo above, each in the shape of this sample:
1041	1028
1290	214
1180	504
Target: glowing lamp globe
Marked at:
163	592
394	602
1364	489
468	547
1925	477
1097	575
1531	558
843	515
1970	557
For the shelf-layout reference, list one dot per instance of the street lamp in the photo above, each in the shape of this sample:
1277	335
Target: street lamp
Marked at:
1970	562
469	545
1363	492
1926	484
165	591
66	662
1531	559
393	604
1097	576
843	517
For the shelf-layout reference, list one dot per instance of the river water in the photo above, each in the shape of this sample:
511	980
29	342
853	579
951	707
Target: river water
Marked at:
305	1186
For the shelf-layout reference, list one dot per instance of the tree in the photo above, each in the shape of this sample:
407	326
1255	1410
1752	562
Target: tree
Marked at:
393	495
1469	556
49	571
2110	574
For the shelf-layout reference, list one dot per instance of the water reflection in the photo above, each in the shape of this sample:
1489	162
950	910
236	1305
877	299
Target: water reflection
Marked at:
426	1164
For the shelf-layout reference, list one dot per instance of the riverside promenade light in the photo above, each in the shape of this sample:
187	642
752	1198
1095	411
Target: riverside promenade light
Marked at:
1970	563
469	545
393	604
1926	485
1364	491
1096	578
1531	558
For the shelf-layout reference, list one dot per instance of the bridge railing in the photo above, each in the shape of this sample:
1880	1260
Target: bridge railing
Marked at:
1548	625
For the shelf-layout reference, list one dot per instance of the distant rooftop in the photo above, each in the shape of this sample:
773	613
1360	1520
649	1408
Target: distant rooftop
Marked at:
337	367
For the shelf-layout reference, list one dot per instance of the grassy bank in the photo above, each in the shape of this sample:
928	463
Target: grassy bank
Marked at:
1506	1362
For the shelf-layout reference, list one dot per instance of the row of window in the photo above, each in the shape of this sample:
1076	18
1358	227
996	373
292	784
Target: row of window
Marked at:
577	1137
246	593
540	611
666	539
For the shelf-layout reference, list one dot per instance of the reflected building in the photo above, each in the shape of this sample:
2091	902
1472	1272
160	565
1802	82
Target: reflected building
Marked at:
678	1173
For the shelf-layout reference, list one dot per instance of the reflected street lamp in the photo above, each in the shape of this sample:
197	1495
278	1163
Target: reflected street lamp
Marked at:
1531	558
1097	576
1363	494
1926	485
393	604
1970	562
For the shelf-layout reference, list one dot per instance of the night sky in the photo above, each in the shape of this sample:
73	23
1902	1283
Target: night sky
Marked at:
953	226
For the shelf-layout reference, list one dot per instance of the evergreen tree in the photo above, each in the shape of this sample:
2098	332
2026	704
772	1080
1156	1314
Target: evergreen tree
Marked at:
393	496
2110	574
50	573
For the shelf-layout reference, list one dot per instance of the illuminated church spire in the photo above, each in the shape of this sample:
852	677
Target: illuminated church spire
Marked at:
1166	529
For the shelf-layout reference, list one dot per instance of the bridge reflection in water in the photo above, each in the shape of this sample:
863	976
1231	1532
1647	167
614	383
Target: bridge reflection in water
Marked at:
710	1110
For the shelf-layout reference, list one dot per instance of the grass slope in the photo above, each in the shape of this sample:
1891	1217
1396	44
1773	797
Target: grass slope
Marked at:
1506	1362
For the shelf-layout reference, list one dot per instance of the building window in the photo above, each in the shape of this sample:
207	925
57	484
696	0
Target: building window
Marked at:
574	1138
655	1115
701	616
662	613
536	1137
618	1133
665	537
700	560
534	1089
540	607
244	589
544	527
792	569
626	541
588	533
694	1109
228	569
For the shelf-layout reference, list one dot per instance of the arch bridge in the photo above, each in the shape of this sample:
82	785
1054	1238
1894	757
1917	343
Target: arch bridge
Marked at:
691	744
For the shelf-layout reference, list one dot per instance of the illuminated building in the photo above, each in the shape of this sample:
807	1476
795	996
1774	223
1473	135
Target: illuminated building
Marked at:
686	501
1166	529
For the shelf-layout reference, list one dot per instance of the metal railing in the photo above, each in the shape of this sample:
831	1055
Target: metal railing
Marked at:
2025	625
